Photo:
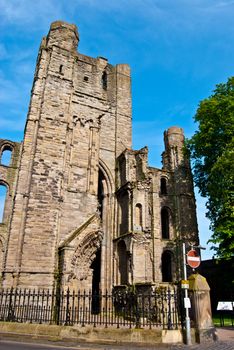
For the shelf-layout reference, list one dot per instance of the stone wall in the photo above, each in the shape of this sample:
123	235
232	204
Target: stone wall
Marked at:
161	211
8	180
85	204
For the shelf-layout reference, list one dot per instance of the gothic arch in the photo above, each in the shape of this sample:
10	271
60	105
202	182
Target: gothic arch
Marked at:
106	208
4	183
6	147
167	266
108	177
85	254
105	189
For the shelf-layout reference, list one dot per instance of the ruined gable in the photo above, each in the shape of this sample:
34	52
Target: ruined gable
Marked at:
84	209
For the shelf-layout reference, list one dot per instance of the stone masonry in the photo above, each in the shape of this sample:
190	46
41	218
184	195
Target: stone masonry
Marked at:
83	210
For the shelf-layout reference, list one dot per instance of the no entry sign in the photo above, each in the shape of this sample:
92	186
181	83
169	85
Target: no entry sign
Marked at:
193	259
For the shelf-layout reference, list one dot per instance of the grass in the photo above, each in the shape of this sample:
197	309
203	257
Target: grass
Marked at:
224	321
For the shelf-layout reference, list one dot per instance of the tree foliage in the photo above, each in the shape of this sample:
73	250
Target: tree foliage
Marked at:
212	152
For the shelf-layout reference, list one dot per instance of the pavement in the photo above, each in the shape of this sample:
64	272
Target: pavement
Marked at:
225	333
225	342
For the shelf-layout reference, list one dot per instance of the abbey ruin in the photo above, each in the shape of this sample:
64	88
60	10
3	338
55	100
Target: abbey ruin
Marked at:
83	209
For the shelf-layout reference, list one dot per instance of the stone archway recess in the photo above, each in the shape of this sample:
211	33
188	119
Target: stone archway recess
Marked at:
84	255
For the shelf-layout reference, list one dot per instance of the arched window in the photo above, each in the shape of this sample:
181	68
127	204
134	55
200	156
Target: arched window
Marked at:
163	186
138	215
123	262
167	266
104	80
101	194
3	195
6	156
165	223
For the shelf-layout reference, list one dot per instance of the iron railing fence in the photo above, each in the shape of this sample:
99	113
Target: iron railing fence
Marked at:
116	309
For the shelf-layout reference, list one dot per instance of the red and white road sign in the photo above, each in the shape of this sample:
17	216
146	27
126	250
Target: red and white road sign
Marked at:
193	259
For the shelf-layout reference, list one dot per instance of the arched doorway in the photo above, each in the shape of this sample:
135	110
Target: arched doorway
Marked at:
166	265
96	277
123	262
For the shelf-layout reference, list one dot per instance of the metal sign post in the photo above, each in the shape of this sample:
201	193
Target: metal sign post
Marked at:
186	303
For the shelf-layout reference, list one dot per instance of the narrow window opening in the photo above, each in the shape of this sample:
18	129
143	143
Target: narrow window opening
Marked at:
124	207
86	78
104	80
163	186
101	194
167	266
3	196
6	156
165	223
61	69
138	215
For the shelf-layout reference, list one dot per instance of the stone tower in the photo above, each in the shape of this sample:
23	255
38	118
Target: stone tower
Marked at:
83	210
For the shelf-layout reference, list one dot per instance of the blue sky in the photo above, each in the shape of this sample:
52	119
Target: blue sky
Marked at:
177	49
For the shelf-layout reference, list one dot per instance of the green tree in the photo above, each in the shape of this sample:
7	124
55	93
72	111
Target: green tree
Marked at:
212	151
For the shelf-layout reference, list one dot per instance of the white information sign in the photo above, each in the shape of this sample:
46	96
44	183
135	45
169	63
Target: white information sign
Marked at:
225	306
187	303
